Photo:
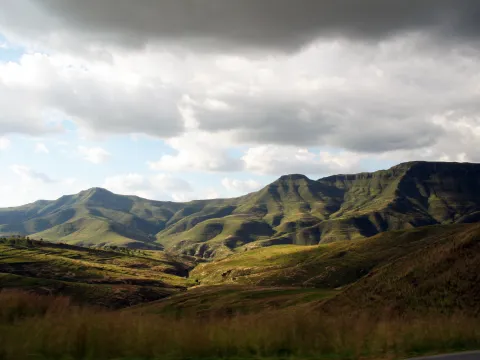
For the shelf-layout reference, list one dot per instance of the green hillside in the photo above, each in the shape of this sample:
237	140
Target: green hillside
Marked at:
441	275
292	210
93	276
429	268
228	300
330	265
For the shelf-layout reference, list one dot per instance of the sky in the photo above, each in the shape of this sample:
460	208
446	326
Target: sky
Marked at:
193	99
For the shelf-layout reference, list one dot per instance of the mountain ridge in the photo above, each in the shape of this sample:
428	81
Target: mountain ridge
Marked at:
293	209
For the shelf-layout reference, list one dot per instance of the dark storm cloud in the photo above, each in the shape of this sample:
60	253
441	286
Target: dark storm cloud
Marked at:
259	121
278	24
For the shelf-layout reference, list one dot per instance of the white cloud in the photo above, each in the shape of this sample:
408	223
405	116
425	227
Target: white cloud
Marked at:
41	148
160	186
4	143
402	98
198	151
278	160
95	155
240	186
210	193
356	97
101	97
28	185
28	175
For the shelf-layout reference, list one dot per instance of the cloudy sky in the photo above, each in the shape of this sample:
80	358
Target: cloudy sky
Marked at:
185	99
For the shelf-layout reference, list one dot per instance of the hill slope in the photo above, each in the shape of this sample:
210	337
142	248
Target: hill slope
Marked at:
442	275
327	266
432	268
107	278
291	210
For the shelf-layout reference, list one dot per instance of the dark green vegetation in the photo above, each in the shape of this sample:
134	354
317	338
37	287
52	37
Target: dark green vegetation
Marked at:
93	276
292	210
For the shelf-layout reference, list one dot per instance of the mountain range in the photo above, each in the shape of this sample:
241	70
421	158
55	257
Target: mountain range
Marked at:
292	210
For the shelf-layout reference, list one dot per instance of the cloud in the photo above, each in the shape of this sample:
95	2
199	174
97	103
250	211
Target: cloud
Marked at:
278	160
383	88
198	151
358	97
41	91
28	175
161	186
241	186
41	148
95	155
210	193
368	98
4	143
219	24
28	185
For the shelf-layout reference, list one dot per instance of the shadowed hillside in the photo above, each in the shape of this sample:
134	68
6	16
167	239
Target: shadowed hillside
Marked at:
291	210
443	275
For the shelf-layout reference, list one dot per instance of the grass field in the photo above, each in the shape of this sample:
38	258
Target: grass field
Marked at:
395	295
228	300
39	327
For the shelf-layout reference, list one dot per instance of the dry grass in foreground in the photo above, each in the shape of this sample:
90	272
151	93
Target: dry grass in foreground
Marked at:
39	327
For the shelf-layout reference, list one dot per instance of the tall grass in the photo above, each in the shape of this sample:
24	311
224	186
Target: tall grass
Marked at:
39	327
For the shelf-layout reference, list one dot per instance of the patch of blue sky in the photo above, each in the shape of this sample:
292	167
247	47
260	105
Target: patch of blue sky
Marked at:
9	52
374	164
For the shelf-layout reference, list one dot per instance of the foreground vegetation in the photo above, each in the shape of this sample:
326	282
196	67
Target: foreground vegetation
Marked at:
226	300
394	295
42	327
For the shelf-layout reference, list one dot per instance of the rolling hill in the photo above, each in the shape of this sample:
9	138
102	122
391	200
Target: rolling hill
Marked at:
431	268
292	210
328	266
441	275
92	276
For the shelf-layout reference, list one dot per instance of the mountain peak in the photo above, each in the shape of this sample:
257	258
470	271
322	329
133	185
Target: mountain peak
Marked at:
94	191
292	177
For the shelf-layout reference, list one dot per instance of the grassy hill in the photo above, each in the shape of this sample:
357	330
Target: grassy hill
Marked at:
292	210
441	275
394	295
228	300
93	276
330	265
